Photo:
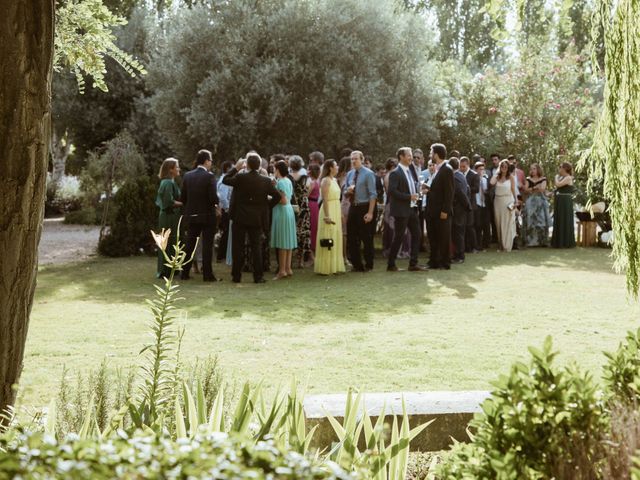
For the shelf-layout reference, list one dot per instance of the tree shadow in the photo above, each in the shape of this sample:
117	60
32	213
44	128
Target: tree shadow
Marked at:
306	297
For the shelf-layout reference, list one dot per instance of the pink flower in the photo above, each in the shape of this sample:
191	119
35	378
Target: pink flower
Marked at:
541	133
493	109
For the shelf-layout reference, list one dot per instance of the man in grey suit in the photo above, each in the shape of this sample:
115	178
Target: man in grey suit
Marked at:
403	195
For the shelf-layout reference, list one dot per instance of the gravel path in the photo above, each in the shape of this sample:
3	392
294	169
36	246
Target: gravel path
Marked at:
62	243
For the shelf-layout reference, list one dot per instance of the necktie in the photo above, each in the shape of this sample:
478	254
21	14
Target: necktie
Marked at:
355	185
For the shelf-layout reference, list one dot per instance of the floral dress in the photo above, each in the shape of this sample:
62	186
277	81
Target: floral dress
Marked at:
303	222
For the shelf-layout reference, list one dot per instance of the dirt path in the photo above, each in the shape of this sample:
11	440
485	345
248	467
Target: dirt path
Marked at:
62	243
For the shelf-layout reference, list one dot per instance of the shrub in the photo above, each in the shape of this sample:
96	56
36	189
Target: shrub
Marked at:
134	215
146	455
84	216
63	196
540	422
622	370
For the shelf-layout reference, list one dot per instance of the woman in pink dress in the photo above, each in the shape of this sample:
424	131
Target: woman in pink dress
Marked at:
314	194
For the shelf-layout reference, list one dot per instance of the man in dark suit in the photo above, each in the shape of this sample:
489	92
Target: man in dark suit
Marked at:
403	207
473	180
440	209
200	200
250	213
461	209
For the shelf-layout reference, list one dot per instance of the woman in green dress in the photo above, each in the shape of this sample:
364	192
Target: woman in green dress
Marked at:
283	222
563	217
167	201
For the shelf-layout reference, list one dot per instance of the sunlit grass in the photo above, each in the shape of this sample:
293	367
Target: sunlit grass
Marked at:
379	331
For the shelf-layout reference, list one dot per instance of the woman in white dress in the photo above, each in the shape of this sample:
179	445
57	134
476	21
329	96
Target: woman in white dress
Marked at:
504	205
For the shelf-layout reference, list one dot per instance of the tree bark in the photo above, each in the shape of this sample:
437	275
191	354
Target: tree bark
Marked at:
26	55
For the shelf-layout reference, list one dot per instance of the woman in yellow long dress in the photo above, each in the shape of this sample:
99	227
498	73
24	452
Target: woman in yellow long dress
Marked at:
329	260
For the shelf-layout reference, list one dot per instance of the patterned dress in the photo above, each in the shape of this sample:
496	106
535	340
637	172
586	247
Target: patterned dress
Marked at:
303	222
536	217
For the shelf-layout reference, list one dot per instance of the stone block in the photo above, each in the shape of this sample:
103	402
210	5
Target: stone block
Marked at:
451	412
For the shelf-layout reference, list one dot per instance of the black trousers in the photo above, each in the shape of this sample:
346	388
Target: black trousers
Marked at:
207	231
400	225
440	240
359	232
470	241
458	232
221	253
238	235
483	227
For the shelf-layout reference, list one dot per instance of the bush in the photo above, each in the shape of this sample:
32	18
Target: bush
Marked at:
135	213
622	370
84	216
540	422
64	196
145	455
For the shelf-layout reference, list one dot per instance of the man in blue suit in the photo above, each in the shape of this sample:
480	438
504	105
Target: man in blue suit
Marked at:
403	194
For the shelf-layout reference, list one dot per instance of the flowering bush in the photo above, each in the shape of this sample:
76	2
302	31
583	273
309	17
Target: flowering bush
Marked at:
147	455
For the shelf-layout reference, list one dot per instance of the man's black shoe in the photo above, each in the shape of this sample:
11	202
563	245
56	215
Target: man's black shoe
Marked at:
417	268
392	268
457	260
211	279
356	269
260	280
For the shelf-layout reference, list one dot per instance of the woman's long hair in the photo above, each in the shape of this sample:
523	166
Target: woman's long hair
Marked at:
506	175
326	168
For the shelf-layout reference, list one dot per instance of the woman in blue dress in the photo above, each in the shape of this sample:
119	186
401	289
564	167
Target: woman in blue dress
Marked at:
283	222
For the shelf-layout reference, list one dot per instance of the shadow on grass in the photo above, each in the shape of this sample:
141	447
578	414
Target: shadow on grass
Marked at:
305	298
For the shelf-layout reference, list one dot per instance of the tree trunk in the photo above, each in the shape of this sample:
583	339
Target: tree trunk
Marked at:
26	55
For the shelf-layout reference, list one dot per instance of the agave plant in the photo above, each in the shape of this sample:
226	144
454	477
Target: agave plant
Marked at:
385	462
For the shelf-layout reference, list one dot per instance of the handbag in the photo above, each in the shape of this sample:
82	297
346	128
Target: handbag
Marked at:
326	242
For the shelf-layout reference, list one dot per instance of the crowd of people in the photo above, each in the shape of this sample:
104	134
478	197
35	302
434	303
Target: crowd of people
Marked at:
326	213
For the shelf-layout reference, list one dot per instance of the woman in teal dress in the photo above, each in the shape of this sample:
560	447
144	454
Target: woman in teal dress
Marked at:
563	217
167	201
283	222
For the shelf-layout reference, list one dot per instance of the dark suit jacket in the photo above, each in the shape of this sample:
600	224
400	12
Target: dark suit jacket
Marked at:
199	196
399	193
473	180
441	193
461	204
250	203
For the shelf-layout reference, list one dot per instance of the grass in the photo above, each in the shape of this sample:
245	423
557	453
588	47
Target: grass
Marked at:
379	331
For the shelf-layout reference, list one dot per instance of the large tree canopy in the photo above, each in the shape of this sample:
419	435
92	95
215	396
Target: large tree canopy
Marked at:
285	75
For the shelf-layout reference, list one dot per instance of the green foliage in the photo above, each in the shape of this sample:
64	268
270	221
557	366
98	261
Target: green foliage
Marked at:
146	455
108	168
622	370
615	153
83	216
135	214
537	110
64	196
291	76
84	38
94	117
384	458
540	422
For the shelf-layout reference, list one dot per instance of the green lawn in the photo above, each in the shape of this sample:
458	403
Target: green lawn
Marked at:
379	331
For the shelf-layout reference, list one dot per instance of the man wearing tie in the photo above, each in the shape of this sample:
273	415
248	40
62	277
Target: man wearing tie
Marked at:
403	207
